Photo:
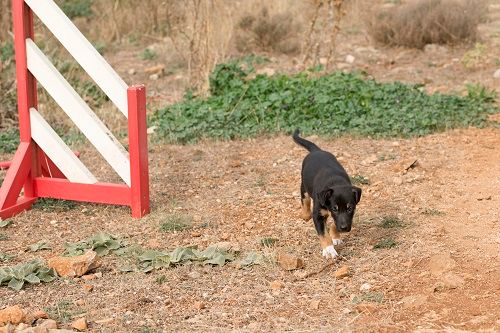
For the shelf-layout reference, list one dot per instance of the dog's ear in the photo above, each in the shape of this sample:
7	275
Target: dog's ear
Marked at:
324	196
357	193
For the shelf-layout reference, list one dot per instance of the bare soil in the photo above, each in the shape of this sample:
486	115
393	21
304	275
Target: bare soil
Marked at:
442	275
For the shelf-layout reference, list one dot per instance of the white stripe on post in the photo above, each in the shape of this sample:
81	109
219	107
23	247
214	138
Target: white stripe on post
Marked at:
81	49
79	112
47	139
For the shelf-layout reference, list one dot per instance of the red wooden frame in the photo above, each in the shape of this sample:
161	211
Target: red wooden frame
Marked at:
33	171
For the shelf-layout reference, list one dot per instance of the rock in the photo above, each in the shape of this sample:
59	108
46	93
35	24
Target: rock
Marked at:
48	324
370	159
404	165
276	285
98	275
342	272
440	263
413	301
199	305
74	266
80	324
131	71
196	233
39	314
88	288
366	308
12	314
346	311
365	287
151	129
88	277
154	77
315	304
397	181
496	75
452	281
350	59
155	70
289	262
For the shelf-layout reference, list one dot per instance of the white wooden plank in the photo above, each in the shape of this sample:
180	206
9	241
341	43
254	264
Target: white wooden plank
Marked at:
79	112
83	51
58	151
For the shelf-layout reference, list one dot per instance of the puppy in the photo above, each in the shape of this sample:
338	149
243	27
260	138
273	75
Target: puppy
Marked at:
326	182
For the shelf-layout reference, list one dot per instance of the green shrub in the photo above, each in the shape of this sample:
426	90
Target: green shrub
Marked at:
330	105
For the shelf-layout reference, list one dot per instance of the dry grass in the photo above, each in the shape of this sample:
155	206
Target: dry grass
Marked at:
423	22
5	20
263	31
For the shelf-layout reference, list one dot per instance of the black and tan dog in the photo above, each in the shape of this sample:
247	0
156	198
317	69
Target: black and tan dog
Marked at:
326	182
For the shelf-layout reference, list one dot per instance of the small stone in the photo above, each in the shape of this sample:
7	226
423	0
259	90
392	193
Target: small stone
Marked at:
80	324
196	234
194	275
199	305
342	272
397	181
74	266
88	277
346	311
154	77
350	59
289	262
366	308
151	129
365	287
131	71
453	281
98	275
12	314
496	75
40	314
315	304
276	285
48	324
88	288
441	263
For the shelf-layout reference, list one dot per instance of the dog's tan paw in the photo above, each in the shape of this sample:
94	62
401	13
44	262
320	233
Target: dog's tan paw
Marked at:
305	216
330	252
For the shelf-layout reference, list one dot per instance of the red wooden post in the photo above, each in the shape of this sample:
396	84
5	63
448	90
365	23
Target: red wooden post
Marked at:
138	150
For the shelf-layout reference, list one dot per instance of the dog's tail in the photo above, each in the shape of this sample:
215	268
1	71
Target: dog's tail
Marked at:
303	142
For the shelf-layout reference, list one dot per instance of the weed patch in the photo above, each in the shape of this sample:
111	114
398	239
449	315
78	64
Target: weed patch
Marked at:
387	243
102	244
360	180
9	141
176	222
390	222
329	105
32	272
64	311
373	297
432	212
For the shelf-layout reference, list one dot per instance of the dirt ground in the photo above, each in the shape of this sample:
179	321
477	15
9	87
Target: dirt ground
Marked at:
442	275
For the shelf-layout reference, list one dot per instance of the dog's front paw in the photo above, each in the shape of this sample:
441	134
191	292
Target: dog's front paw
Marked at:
337	241
329	252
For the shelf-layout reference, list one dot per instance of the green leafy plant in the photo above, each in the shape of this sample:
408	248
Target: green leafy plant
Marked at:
387	243
360	180
374	297
390	222
152	259
77	8
252	258
101	243
32	272
148	54
39	246
5	223
9	141
54	205
63	311
6	51
4	257
481	93
333	104
176	222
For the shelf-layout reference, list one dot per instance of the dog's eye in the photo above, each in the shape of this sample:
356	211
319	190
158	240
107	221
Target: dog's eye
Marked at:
335	208
350	209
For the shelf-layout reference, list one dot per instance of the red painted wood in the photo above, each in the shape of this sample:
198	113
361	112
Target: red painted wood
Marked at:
16	176
5	165
49	169
115	194
138	150
21	205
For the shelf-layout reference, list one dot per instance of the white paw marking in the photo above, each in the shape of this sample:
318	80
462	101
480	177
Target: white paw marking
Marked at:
337	241
329	252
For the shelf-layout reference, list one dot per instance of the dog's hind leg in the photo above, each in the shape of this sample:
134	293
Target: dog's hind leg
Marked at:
305	199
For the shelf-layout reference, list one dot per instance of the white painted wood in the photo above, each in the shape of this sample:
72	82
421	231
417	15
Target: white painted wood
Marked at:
79	112
58	151
83	51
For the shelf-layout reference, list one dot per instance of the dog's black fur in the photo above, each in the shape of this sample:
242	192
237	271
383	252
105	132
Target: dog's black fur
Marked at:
326	182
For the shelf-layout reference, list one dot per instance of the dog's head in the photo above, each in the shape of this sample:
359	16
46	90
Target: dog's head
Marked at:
341	202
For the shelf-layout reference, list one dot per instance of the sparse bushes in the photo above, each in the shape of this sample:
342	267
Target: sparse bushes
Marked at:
422	22
268	32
